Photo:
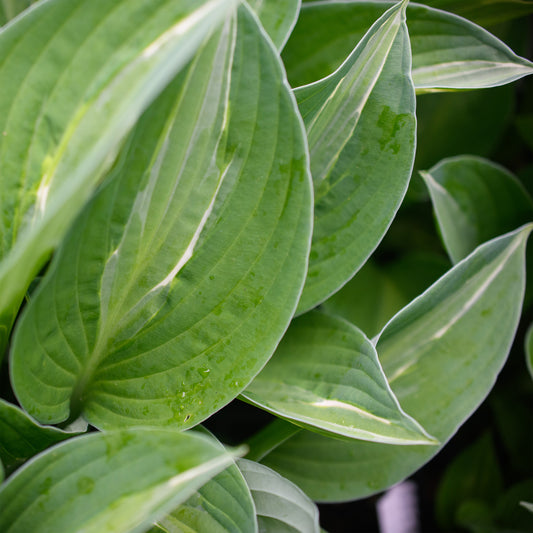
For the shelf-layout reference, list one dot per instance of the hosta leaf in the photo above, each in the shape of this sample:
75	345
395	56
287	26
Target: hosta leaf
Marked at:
529	349
278	17
475	200
108	482
75	76
222	505
178	280
361	140
326	375
378	292
449	52
441	354
11	8
22	438
280	505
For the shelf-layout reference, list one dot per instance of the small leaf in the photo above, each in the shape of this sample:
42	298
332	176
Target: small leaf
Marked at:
449	52
361	140
326	375
178	280
118	481
529	349
280	505
75	76
22	438
222	505
475	200
441	354
278	17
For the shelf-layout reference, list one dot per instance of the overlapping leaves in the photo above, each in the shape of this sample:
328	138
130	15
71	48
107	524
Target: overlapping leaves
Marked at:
176	283
75	76
441	355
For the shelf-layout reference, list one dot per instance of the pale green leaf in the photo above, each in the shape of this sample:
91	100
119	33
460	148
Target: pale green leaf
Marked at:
529	349
223	505
278	17
325	375
75	76
280	505
379	291
449	52
361	139
442	354
178	280
22	438
113	482
475	200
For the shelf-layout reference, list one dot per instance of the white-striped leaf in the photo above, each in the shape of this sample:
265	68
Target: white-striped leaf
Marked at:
114	482
441	354
449	52
325	375
178	280
475	200
361	139
75	76
280	505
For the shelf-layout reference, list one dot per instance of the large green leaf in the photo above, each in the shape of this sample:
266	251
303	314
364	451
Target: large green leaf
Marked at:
361	138
475	200
108	482
177	282
280	505
449	52
75	76
326	375
222	505
22	438
442	354
278	17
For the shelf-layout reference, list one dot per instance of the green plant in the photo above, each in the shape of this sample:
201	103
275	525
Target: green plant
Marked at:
181	228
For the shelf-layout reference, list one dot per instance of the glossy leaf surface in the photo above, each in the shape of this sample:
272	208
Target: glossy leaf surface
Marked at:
278	17
441	355
22	438
280	505
361	141
449	52
108	482
187	266
75	76
475	200
326	375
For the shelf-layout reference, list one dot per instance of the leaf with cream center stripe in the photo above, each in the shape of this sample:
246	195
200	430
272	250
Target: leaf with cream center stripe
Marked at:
362	142
75	76
113	482
325	375
449	52
441	354
178	280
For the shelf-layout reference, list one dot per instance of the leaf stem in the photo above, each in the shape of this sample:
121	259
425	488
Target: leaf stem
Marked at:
269	438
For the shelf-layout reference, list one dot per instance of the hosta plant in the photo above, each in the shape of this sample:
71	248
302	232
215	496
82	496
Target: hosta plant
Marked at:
194	196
